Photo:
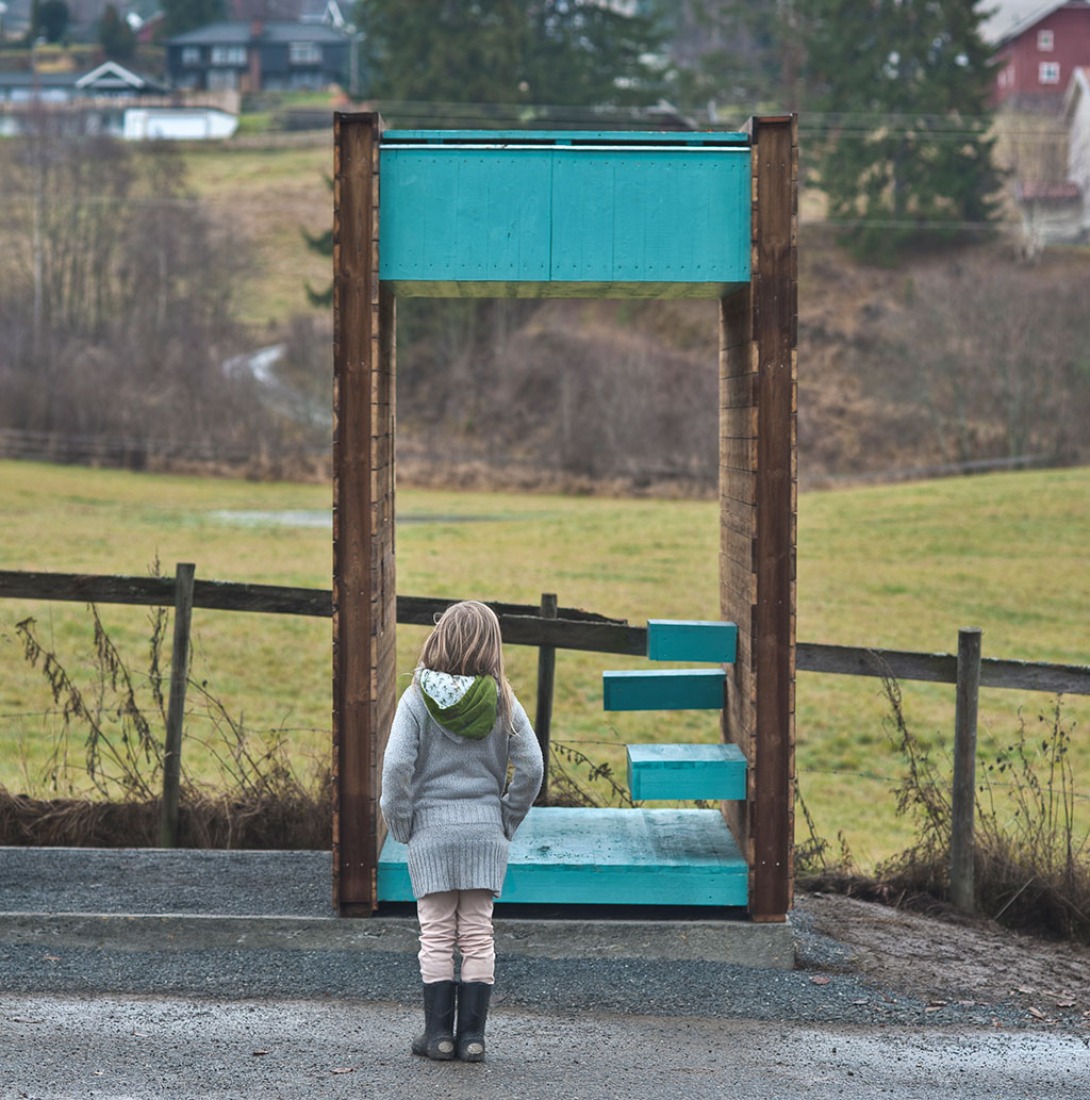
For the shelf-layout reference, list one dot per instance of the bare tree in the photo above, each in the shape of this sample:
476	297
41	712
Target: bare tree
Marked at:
116	292
994	355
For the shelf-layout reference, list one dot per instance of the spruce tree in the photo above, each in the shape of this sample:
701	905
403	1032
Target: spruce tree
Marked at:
508	52
903	152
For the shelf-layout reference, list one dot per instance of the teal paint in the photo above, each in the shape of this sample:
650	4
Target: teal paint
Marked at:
685	772
667	689
563	856
471	209
488	139
674	640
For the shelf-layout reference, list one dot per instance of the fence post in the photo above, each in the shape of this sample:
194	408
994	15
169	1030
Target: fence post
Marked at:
963	800
179	674
546	679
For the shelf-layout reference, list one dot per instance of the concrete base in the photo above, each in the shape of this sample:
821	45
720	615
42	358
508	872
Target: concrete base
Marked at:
157	900
766	946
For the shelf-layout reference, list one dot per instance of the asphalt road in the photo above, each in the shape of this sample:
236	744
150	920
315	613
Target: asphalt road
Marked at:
84	1047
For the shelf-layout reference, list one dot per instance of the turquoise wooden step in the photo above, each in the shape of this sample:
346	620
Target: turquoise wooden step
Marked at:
663	689
697	640
685	772
563	856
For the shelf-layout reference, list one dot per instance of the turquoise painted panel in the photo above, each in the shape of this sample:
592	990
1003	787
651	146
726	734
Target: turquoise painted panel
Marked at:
673	215
683	772
564	856
445	213
459	209
676	640
668	689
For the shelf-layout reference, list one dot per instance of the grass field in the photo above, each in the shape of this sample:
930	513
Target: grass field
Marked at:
902	567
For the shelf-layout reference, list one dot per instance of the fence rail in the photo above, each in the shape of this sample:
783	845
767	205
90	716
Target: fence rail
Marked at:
524	624
549	627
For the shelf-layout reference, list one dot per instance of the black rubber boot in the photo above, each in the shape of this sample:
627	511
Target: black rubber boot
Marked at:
437	1042
473	1000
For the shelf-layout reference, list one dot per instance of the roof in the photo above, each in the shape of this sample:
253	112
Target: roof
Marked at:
240	32
1031	17
107	77
114	77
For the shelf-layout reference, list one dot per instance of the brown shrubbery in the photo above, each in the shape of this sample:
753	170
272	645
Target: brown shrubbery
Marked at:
1032	865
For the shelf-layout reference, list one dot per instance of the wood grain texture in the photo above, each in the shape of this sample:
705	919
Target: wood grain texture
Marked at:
363	511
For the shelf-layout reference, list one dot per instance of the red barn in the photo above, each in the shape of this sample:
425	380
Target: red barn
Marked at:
1036	57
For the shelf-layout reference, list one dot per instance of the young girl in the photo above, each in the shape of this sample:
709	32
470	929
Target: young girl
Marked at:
445	792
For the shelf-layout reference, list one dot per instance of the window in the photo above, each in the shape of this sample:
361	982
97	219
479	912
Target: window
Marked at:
1045	41
1048	73
222	80
228	55
304	53
191	55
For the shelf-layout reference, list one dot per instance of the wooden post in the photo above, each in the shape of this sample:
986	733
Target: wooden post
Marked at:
963	800
364	589
758	503
546	679
179	674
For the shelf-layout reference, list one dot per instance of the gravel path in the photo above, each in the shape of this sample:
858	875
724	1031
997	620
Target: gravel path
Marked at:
252	990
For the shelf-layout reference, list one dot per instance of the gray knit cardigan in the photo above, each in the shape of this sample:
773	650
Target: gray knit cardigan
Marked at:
448	798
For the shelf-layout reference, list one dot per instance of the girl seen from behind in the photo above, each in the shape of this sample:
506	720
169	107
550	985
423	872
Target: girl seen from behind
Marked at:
457	731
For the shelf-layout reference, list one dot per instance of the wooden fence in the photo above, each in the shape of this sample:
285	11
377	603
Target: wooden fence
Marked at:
549	628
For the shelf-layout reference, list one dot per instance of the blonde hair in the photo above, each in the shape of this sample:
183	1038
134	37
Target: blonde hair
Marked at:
466	641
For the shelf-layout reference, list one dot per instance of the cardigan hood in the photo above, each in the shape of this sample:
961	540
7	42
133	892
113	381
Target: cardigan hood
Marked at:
464	706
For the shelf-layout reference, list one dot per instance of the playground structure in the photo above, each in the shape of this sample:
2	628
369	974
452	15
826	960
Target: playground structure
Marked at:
573	214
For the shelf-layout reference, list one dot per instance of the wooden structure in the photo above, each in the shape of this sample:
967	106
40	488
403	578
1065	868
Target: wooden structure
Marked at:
573	214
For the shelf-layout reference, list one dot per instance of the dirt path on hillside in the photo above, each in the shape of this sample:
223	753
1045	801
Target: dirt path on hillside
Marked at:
947	961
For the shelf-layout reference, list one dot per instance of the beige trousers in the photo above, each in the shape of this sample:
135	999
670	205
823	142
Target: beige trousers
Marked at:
459	919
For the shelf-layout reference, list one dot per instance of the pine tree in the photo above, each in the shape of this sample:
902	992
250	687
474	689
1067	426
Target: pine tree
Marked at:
116	36
508	52
904	155
187	15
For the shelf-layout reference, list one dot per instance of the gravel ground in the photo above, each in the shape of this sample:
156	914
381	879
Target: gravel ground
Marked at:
253	991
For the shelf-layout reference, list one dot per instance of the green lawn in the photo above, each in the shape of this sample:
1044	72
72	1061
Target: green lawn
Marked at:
901	567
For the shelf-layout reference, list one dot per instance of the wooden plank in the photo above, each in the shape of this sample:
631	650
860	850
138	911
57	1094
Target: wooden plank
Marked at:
686	772
563	856
775	294
179	679
354	650
663	689
676	640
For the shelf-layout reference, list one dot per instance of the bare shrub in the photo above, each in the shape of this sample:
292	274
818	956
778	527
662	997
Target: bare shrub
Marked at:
989	357
107	764
1032	869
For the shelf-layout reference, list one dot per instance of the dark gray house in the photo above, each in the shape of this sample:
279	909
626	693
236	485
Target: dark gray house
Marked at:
258	55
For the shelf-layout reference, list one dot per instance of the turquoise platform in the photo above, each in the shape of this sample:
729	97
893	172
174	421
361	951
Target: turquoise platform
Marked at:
564	856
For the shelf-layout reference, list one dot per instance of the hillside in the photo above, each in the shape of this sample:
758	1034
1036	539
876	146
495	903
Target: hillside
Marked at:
965	357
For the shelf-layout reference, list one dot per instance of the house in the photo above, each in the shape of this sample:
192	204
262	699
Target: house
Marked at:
106	81
1035	57
111	100
1077	120
259	55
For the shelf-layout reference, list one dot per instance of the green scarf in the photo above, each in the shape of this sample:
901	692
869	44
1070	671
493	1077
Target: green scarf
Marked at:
474	715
